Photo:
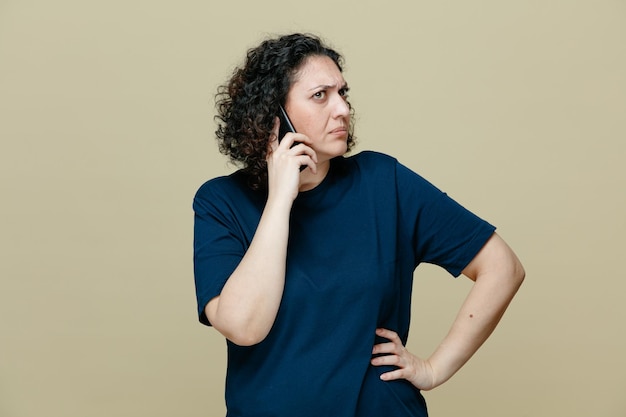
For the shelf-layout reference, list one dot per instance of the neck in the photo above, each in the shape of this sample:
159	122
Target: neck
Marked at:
309	180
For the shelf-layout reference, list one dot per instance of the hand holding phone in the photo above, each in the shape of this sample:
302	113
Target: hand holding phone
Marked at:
285	127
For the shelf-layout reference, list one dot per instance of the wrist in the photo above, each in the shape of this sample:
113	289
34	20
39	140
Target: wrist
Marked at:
279	204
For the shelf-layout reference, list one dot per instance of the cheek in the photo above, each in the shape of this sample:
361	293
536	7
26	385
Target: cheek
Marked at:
311	127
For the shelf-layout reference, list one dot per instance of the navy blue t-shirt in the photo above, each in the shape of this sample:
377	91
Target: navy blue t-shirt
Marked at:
354	243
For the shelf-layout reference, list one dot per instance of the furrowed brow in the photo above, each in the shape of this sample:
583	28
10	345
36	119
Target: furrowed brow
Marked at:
329	86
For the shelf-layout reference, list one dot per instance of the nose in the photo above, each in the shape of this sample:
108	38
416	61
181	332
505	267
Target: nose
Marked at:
341	108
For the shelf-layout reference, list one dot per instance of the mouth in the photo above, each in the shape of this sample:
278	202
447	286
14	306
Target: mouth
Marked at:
342	130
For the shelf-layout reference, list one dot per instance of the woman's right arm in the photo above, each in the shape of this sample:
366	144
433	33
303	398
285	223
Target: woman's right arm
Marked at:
245	310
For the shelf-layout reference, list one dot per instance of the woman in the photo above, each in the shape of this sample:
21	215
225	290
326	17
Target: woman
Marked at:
308	272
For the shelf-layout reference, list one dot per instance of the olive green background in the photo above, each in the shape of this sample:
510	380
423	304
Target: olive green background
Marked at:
516	109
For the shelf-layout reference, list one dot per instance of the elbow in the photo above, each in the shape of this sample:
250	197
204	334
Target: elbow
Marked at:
245	337
240	335
521	274
511	266
238	331
518	273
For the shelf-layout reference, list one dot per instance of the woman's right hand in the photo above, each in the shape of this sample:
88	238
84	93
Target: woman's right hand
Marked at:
284	161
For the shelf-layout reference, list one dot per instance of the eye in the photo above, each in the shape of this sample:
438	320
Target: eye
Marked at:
343	92
319	95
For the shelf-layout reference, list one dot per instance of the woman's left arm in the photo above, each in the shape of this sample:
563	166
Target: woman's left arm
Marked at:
498	274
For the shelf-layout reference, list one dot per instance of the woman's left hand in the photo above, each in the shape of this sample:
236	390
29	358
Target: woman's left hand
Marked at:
417	371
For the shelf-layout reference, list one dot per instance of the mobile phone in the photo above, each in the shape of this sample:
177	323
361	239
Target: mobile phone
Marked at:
285	124
285	127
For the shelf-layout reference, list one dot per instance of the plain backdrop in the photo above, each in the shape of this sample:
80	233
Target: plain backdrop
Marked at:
516	109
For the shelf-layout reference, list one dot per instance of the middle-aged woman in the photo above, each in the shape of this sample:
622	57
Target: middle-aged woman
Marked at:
308	272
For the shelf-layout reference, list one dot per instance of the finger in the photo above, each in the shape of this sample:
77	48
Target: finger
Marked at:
390	360
288	141
393	338
307	162
388	347
302	148
388	334
393	375
292	140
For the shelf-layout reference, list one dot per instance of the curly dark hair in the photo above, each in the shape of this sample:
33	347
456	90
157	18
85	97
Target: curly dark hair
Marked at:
248	103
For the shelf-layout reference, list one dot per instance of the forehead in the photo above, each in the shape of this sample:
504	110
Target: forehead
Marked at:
318	70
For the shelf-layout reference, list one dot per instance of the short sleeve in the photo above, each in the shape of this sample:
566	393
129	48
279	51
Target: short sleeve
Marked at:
443	232
217	245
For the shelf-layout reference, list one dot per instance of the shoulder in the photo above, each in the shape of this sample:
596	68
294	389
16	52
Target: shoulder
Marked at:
377	163
383	169
372	163
214	185
212	188
372	158
223	190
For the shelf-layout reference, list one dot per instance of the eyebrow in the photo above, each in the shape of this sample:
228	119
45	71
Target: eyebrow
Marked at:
328	86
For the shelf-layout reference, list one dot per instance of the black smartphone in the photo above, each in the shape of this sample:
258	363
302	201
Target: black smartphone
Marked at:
285	124
285	127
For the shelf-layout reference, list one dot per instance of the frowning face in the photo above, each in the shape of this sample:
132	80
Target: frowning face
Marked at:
317	106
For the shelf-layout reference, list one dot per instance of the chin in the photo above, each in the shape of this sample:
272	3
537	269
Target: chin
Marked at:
341	148
338	148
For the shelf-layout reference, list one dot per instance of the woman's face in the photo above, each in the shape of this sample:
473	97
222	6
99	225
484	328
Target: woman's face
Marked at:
316	104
